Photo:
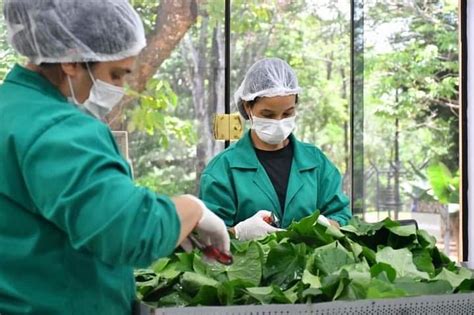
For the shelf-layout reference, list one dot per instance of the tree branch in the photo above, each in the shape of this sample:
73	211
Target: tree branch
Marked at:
173	20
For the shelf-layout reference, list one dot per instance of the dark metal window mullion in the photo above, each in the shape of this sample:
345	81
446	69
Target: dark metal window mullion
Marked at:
227	62
463	129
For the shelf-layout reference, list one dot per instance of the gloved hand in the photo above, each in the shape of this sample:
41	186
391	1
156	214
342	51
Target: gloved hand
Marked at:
211	230
323	220
254	227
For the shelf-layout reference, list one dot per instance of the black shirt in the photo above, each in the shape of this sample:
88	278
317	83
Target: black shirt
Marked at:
277	164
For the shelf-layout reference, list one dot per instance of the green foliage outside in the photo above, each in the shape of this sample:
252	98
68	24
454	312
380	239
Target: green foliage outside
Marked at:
411	93
411	78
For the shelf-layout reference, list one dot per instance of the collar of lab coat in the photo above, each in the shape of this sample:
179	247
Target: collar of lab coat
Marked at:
23	76
245	157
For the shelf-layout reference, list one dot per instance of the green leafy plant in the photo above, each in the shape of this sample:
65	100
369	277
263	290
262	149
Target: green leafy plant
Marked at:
153	115
309	263
445	185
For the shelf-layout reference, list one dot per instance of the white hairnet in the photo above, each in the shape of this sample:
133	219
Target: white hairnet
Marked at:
56	31
267	77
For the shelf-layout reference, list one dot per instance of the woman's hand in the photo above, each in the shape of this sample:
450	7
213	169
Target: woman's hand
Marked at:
326	222
196	216
254	227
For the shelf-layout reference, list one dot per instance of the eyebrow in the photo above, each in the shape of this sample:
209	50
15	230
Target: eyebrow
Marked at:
122	70
269	111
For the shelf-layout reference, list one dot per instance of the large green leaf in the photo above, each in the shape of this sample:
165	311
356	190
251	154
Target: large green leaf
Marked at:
173	299
226	293
310	279
192	282
402	261
333	285
207	295
426	240
379	289
229	292
454	279
353	291
330	258
369	254
246	266
413	287
160	264
440	260
285	264
261	294
271	294
310	294
403	230
358	273
171	271
423	261
359	227
379	268
355	248
308	231
292	293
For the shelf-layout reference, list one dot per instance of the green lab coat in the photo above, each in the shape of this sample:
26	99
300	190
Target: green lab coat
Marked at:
235	185
72	222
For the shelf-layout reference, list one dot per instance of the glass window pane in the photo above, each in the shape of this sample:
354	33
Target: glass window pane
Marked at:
171	139
410	109
405	148
317	46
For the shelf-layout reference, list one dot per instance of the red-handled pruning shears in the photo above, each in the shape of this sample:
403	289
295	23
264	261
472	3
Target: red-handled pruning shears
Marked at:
272	220
211	252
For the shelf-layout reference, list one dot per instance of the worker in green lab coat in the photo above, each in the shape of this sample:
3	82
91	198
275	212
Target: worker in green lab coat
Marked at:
269	170
72	222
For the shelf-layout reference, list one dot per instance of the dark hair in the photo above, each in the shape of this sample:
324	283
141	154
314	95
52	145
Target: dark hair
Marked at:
252	103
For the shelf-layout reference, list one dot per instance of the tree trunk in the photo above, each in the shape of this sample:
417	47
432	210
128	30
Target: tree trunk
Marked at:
199	75
397	162
346	124
173	20
207	77
217	95
254	51
329	66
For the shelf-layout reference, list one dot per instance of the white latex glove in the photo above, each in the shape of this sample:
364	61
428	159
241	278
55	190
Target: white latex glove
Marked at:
211	230
254	227
323	220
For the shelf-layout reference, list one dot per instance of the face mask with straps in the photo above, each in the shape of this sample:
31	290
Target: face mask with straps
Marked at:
273	131
103	96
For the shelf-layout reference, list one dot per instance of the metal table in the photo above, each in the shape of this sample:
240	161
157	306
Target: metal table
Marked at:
451	304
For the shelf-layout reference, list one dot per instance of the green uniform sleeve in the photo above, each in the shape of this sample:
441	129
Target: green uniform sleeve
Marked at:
80	183
333	203
218	197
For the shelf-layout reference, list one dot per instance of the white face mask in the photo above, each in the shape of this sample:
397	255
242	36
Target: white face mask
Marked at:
103	97
273	131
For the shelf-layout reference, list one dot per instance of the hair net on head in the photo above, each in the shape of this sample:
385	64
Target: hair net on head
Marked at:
56	31
266	78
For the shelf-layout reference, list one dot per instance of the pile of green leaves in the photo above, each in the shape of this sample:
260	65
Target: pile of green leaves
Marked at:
309	263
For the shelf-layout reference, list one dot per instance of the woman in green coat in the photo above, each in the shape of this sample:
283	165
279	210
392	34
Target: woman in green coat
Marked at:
269	170
72	222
